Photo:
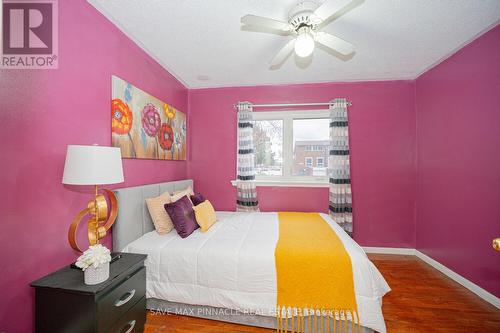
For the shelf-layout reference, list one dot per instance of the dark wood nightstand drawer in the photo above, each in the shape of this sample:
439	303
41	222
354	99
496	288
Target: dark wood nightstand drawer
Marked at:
114	304
65	304
133	321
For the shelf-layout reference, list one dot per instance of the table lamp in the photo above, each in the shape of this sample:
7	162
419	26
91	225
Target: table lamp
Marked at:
93	165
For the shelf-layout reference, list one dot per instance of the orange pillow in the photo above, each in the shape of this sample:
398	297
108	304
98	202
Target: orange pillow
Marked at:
205	215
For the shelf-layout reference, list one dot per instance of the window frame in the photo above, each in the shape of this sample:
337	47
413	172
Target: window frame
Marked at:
323	165
308	158
287	178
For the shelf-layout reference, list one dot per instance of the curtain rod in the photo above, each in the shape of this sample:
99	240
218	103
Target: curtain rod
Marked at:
291	104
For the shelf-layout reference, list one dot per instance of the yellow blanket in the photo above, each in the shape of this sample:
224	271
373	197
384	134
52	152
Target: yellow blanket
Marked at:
314	276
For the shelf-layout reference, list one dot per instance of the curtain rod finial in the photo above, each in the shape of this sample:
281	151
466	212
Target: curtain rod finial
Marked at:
341	100
243	106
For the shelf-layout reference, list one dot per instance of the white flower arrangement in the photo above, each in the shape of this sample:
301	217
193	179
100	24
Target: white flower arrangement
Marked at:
94	256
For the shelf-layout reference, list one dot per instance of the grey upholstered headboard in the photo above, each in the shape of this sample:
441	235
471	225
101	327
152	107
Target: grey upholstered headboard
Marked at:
133	219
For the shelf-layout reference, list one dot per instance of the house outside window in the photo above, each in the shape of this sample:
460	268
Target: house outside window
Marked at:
314	150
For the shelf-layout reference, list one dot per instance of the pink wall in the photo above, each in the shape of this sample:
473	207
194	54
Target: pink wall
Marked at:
42	111
382	132
458	153
457	141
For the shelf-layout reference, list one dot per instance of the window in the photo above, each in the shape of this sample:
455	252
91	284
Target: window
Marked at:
315	148
268	139
288	143
313	133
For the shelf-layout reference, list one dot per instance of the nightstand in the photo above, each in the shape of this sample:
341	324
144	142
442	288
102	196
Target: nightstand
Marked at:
63	303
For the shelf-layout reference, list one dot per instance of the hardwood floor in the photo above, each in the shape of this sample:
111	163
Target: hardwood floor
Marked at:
425	300
422	300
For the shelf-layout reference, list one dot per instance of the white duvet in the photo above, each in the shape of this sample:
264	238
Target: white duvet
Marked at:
232	266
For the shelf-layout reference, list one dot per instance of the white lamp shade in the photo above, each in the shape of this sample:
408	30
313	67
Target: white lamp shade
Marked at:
92	165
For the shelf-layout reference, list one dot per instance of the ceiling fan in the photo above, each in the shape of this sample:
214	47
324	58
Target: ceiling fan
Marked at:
305	21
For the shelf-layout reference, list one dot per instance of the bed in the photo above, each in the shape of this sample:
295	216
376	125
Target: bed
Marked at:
227	273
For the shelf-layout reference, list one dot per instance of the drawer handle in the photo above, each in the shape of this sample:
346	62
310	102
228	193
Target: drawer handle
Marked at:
125	298
131	324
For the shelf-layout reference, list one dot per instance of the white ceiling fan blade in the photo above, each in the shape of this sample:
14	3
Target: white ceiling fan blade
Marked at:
283	54
334	43
265	22
329	8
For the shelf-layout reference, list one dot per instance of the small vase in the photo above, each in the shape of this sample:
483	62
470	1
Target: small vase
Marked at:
96	275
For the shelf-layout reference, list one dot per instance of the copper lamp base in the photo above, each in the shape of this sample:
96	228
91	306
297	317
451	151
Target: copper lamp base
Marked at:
99	222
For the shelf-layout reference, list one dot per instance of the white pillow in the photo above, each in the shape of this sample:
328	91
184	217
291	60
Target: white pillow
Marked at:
179	194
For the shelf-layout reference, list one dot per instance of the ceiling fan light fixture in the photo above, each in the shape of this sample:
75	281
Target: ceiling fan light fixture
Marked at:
304	44
306	21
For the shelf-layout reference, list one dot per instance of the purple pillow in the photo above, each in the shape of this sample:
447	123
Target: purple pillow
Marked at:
182	214
197	199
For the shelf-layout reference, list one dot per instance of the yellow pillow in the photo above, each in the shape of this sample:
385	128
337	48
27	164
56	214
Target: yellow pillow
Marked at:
205	215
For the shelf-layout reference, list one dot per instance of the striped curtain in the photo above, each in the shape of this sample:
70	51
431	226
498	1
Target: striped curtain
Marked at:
246	193
340	198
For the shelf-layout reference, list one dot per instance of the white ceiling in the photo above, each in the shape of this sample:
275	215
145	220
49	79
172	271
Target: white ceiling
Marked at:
202	44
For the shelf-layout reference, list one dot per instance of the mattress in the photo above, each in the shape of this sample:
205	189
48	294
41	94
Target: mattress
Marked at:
232	266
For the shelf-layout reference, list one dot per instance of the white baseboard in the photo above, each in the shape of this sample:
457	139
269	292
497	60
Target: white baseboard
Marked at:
390	250
485	295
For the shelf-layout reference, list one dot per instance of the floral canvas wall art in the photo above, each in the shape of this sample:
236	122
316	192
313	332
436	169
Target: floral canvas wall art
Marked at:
145	127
